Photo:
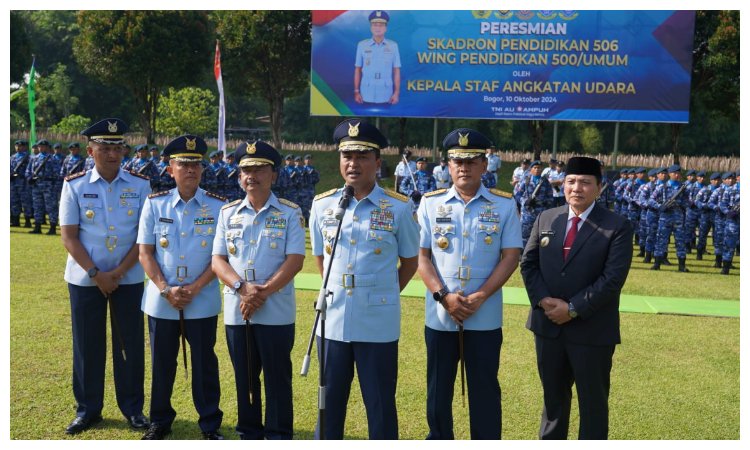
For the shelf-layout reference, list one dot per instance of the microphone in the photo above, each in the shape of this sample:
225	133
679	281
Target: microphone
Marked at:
346	196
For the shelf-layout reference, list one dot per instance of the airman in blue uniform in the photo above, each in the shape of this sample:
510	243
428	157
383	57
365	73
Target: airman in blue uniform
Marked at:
729	208
532	200
220	173
706	214
20	197
488	180
235	192
377	66
259	248
425	182
41	175
127	157
692	214
59	158
607	195
671	200
164	179
642	197
99	212
175	236
363	324
155	155
634	210
208	178
619	190
307	193
470	244
719	218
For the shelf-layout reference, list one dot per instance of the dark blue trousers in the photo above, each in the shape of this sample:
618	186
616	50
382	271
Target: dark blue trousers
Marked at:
89	318
377	370
271	348
482	362
165	352
562	363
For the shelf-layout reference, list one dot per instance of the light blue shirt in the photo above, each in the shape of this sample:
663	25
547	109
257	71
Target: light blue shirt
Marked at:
375	232
182	234
466	241
107	218
377	62
257	244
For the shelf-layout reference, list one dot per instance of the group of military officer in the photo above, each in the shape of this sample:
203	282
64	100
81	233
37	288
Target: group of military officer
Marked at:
660	205
296	182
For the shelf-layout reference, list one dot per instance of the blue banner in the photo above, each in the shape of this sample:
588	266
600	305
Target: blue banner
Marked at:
519	65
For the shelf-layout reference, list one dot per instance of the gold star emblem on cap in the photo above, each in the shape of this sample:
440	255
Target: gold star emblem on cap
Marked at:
354	130
463	139
251	149
112	126
190	144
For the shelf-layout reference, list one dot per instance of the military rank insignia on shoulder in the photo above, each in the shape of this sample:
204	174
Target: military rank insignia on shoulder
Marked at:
75	175
288	203
326	194
216	196
500	193
396	195
158	194
139	175
438	192
229	205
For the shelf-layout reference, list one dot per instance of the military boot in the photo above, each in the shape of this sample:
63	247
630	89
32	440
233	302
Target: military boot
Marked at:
665	261
699	255
647	259
717	264
28	223
726	265
681	265
52	228
657	263
642	252
15	221
37	228
689	247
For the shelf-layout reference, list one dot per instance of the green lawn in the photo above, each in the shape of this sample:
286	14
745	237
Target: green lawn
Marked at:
674	377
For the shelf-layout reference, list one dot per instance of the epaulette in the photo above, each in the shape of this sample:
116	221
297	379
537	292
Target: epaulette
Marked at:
158	194
75	175
396	195
216	196
438	192
288	203
139	175
228	205
500	193
325	194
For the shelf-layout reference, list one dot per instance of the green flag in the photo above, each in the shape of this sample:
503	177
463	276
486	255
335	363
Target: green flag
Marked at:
32	104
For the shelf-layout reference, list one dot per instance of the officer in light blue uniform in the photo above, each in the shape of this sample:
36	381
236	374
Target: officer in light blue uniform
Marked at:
672	200
41	175
19	191
377	65
425	182
532	200
175	235
470	243
363	323
729	207
707	214
99	212
259	247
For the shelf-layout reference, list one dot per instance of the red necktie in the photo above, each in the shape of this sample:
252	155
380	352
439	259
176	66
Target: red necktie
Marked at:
570	237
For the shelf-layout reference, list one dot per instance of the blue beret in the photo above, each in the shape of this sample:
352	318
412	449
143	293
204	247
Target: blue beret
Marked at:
357	135
623	171
701	173
107	131
727	175
421	159
652	172
213	154
715	176
308	156
661	170
56	145
674	168
289	158
22	142
297	158
640	170
465	143
153	147
690	172
42	142
553	161
140	147
379	16
74	145
187	148
535	163
257	153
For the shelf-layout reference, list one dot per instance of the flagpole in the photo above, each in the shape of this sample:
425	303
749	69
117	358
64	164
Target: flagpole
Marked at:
222	114
32	101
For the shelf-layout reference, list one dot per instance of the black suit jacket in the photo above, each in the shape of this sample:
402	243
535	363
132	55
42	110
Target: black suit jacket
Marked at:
591	278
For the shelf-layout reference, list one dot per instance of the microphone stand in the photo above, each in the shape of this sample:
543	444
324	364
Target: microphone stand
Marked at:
320	316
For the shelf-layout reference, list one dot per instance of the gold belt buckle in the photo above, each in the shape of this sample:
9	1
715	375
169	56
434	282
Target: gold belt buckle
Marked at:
347	280
181	273
249	274
464	272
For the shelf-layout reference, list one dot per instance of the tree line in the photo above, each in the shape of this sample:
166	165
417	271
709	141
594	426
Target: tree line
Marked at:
155	70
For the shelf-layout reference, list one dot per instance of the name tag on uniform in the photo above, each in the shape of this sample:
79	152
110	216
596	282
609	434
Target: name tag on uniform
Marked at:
381	220
130	195
234	225
330	222
204	221
165	220
275	222
90	195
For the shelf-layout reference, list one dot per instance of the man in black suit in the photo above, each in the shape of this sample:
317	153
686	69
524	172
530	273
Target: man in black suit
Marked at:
574	266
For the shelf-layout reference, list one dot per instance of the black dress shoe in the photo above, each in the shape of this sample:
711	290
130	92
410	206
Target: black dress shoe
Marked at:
156	432
82	423
213	436
139	422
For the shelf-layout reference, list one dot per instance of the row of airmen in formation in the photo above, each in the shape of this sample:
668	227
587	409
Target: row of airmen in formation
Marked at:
37	178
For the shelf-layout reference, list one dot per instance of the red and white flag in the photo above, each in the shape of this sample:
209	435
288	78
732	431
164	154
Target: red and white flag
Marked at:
217	73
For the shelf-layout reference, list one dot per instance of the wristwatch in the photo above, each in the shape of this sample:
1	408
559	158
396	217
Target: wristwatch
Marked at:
572	311
237	285
92	272
438	296
165	292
